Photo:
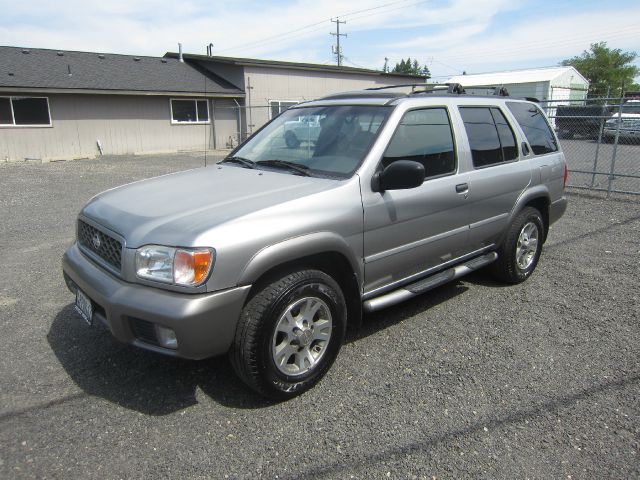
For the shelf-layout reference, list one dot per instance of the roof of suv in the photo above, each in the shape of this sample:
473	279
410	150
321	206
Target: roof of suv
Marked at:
392	95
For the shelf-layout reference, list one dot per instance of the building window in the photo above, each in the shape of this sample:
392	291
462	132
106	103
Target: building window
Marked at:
189	111
424	136
491	139
279	106
24	111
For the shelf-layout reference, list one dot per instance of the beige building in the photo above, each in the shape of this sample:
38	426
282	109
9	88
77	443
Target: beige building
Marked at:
272	86
63	105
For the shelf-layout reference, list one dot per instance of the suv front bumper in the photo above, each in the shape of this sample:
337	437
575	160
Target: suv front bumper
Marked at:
204	324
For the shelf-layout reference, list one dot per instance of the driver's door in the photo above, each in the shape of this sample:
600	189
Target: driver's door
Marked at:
406	232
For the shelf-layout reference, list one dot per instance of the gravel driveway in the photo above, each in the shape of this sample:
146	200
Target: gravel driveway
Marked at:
474	379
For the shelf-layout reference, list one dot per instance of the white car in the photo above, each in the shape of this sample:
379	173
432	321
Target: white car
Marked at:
629	120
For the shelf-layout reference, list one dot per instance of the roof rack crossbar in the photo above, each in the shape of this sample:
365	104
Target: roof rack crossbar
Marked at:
497	90
385	87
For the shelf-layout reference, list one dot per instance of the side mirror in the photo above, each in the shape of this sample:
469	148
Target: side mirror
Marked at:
399	175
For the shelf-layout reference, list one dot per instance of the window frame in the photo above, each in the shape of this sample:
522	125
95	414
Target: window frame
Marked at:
456	163
280	102
513	132
30	125
195	101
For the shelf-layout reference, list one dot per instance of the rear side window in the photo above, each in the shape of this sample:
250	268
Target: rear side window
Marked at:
535	127
490	136
424	136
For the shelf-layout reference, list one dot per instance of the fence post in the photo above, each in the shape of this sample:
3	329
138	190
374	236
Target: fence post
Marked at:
615	148
595	160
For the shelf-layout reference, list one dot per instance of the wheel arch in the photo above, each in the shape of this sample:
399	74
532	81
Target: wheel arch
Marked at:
322	251
538	198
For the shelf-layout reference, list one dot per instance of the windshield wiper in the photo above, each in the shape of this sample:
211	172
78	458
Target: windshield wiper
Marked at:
245	162
301	169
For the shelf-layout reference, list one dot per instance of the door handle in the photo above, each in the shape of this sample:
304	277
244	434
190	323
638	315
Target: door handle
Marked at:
462	187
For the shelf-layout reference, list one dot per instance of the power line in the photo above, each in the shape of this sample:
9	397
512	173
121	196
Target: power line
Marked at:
564	40
302	30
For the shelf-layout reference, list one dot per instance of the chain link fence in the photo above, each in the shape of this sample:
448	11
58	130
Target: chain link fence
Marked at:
601	140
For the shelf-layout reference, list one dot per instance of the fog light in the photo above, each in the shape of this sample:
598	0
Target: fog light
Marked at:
166	337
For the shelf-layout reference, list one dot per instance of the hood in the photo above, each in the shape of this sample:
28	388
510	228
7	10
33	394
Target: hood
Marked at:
175	209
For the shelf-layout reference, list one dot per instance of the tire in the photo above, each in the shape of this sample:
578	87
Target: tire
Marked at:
518	256
274	351
291	140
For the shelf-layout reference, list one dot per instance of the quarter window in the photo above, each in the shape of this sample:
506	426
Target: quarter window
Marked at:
535	127
189	111
424	136
25	111
490	136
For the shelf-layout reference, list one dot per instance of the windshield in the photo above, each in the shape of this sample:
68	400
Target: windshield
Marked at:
324	141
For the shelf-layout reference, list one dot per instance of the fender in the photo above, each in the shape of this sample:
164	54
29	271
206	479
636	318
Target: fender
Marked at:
532	193
296	248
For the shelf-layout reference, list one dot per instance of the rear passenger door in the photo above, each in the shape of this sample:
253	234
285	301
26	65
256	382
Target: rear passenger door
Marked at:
410	231
498	176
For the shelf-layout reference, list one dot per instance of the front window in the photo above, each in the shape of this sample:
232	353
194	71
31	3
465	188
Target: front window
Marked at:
424	136
328	141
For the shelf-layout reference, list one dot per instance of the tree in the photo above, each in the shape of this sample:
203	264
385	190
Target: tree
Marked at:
411	67
606	69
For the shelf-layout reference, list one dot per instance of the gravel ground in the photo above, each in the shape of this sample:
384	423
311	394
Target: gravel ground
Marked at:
474	379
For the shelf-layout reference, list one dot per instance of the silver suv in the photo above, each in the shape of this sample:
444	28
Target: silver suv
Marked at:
270	254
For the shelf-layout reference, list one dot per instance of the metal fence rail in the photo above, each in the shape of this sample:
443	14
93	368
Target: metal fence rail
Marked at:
601	141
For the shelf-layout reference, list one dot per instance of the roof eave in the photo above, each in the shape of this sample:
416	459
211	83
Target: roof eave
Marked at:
86	91
252	62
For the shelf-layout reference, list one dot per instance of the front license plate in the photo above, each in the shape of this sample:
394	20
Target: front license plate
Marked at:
84	306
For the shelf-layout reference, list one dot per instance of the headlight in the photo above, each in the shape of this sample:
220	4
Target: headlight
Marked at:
180	266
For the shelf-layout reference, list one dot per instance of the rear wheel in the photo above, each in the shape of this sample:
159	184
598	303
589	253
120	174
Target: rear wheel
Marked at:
289	334
520	251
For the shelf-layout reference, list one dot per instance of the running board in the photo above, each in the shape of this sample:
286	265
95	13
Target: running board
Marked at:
426	284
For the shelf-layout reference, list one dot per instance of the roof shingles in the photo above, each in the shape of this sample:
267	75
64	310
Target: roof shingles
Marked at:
51	69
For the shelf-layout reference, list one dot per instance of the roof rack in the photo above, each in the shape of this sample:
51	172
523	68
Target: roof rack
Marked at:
450	88
423	89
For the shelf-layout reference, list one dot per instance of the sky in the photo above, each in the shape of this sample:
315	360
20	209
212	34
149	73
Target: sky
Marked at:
448	36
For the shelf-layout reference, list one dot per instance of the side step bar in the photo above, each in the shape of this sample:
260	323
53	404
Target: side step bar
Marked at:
426	284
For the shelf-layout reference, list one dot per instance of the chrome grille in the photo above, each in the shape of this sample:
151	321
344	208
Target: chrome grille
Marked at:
100	243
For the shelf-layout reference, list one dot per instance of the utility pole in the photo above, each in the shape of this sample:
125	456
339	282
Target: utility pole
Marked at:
337	51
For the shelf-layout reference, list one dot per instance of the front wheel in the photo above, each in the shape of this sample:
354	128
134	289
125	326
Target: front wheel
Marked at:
289	334
520	251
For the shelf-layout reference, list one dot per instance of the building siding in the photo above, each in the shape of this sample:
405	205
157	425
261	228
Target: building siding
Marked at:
124	125
269	84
